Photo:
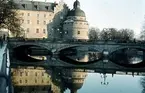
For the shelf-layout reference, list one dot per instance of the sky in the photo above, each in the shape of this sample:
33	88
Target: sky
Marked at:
112	13
117	84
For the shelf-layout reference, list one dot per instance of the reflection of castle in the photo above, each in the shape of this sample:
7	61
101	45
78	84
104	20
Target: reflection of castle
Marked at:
73	79
29	80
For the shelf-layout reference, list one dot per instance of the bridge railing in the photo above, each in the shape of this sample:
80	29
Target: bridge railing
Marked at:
75	41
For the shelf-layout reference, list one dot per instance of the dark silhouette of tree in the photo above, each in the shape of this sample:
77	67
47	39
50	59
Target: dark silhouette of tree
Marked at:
126	34
114	34
109	34
142	82
104	35
9	17
142	34
94	34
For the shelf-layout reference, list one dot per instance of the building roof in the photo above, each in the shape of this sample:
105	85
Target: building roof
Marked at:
35	5
76	11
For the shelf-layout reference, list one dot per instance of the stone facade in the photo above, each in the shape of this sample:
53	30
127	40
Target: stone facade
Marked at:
52	20
41	19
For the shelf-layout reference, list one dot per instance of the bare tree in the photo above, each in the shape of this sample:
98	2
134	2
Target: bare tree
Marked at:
142	34
126	34
94	34
109	34
9	17
114	34
104	35
142	82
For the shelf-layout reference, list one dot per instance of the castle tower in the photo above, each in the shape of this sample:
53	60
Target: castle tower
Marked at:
75	26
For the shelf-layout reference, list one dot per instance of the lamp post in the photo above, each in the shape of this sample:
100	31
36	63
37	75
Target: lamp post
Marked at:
104	76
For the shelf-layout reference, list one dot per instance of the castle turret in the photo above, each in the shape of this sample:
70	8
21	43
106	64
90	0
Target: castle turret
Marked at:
75	27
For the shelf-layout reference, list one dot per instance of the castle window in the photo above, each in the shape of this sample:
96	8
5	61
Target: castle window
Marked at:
35	80
44	31
28	14
37	15
44	15
37	31
20	81
27	29
28	21
20	73
42	73
44	22
26	73
24	6
36	6
46	7
26	81
78	32
37	21
66	32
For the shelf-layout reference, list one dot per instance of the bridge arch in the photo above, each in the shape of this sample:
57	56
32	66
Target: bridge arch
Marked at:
66	47
125	63
32	44
125	47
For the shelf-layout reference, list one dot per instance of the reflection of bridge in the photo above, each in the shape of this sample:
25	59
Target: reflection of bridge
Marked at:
105	48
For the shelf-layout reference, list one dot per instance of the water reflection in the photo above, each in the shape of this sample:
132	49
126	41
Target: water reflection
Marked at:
142	82
80	55
73	79
60	80
26	80
127	56
30	79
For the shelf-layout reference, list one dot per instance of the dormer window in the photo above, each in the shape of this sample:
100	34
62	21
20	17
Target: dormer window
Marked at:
46	7
36	6
24	6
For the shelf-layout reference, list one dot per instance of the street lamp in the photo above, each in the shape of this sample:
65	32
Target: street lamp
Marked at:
104	76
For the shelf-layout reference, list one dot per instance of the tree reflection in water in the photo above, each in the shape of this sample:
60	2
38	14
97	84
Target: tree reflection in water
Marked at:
142	82
127	56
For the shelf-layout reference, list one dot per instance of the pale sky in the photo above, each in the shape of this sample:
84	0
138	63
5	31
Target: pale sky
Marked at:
112	13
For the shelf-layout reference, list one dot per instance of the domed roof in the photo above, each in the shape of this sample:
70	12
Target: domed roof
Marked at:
77	12
74	86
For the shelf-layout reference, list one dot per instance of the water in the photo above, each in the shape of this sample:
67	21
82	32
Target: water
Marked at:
117	84
103	79
67	80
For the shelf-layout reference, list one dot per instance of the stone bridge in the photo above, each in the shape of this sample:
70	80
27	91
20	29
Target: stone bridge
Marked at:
103	66
56	47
